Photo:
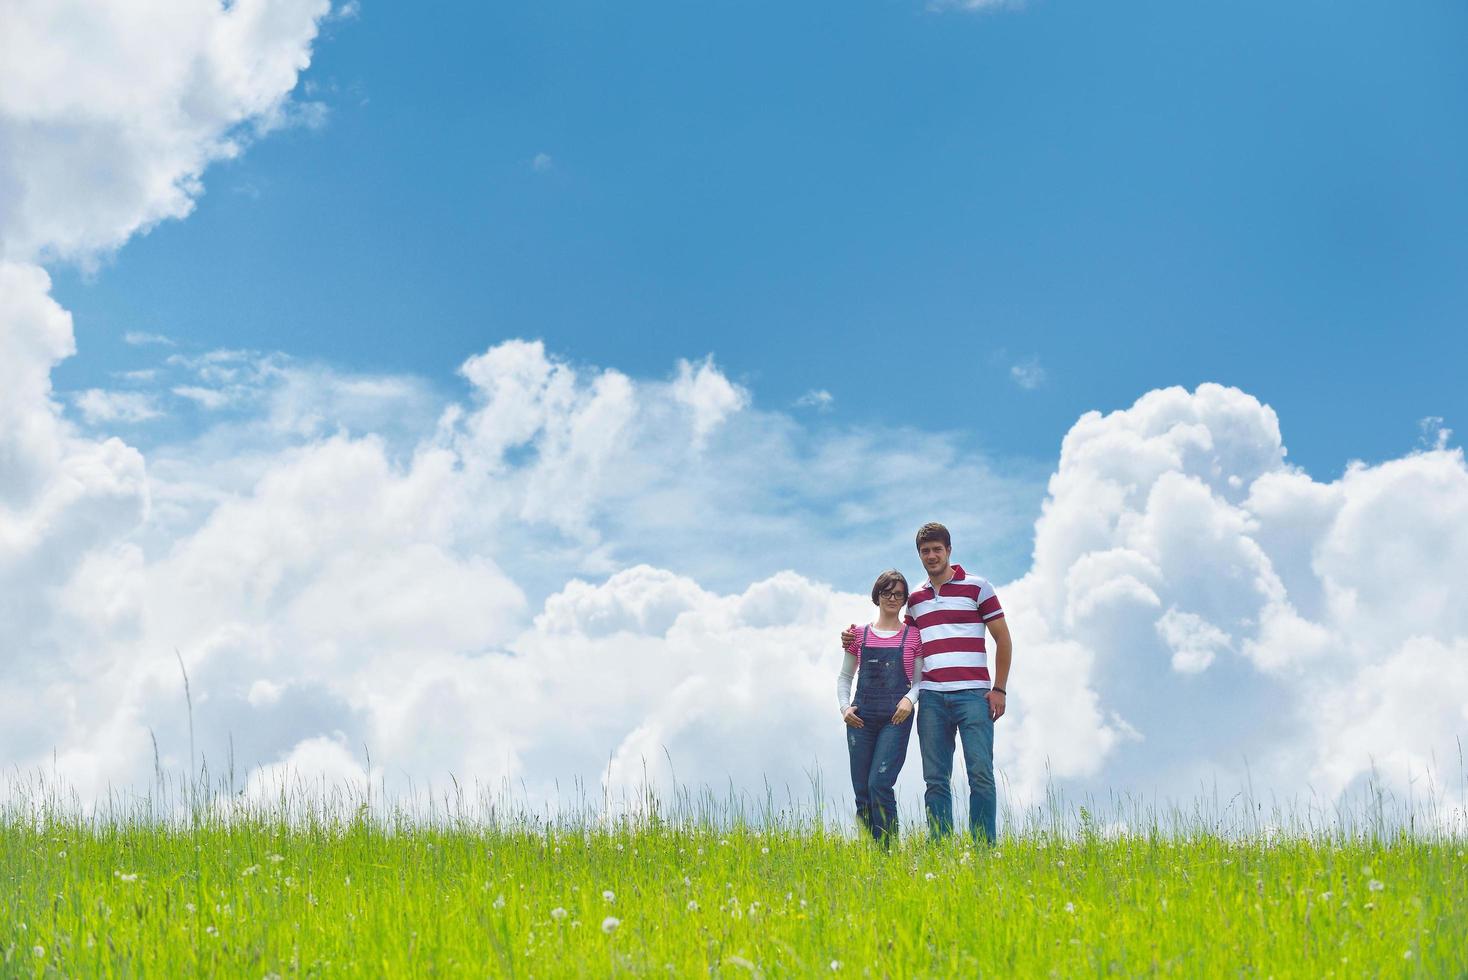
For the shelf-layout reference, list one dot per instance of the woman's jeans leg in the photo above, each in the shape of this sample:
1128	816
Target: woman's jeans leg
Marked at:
887	759
861	743
943	715
877	753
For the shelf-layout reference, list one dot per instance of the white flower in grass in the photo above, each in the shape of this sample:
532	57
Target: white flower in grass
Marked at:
38	951
609	895
125	877
723	843
1326	896
275	859
249	871
61	854
692	905
1070	907
558	913
929	876
1060	864
1407	955
499	903
835	965
764	850
609	924
1366	870
190	908
1375	885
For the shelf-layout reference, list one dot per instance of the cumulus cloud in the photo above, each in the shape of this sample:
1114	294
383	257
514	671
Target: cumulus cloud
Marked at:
110	112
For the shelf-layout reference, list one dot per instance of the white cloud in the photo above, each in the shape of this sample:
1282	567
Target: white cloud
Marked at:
139	338
110	111
1028	374
541	163
99	406
1193	640
1435	435
210	399
818	398
709	395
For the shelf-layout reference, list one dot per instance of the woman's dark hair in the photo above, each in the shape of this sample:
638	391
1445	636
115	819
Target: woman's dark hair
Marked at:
886	581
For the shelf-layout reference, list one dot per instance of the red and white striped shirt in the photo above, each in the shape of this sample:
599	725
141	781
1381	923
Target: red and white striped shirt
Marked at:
951	620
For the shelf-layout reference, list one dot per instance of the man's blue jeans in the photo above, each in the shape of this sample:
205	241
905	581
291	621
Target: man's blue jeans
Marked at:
941	715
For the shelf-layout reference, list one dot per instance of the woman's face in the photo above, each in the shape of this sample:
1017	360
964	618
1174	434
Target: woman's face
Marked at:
892	599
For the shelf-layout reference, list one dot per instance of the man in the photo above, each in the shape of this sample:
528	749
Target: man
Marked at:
959	694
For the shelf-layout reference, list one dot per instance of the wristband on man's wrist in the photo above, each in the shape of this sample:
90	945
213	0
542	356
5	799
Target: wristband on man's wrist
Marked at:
1000	690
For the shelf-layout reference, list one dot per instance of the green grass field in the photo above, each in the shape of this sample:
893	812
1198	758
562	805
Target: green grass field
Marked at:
255	897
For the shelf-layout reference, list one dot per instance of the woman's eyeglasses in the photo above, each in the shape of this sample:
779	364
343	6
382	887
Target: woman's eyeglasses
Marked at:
892	594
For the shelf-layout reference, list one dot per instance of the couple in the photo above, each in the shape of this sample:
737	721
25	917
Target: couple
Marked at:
936	655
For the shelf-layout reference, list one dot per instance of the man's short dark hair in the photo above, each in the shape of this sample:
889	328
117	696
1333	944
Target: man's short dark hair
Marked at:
886	581
933	531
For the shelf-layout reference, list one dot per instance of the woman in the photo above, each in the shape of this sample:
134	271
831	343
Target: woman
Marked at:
885	657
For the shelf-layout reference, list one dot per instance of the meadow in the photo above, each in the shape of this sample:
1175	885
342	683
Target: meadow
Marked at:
286	890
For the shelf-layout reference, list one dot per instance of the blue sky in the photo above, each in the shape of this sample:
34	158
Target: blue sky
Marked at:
893	204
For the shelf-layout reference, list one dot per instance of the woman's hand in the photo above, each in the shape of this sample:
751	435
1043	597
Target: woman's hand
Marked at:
904	709
853	719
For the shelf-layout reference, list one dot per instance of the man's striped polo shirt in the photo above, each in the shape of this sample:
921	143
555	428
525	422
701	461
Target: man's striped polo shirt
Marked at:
951	621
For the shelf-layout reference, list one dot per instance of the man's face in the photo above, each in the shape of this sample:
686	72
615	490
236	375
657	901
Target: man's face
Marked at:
934	556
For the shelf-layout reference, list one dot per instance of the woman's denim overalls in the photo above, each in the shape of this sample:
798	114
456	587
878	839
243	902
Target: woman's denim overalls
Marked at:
879	748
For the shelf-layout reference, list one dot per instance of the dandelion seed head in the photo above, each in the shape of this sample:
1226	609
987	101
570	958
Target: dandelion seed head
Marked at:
929	876
38	951
1070	907
609	924
835	965
1375	885
558	913
692	905
609	895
